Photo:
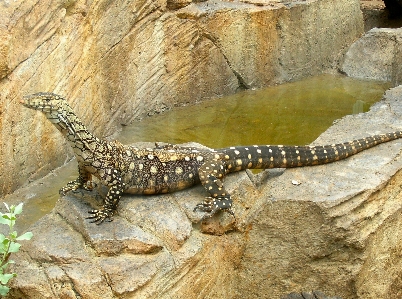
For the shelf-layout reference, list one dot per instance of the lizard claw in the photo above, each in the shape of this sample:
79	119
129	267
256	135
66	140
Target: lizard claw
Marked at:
71	186
213	205
205	206
99	216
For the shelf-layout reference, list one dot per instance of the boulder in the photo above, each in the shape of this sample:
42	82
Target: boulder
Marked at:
376	56
332	230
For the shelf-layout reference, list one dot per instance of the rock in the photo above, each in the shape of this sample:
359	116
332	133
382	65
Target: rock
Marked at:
116	62
87	280
127	273
122	236
177	4
4	49
329	232
376	56
376	16
306	295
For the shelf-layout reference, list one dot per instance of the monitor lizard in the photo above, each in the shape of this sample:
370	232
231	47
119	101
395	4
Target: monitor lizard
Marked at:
169	168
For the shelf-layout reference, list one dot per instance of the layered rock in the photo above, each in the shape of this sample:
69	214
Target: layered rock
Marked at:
121	60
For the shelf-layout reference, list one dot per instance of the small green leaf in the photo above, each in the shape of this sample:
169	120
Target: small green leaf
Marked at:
26	236
6	216
4	278
3	249
13	235
4	290
4	220
14	247
3	268
18	209
2	238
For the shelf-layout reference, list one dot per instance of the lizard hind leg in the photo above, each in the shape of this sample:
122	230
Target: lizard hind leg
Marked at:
213	205
219	200
110	203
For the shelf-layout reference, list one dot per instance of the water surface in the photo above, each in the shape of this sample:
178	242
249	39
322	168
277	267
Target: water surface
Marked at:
293	114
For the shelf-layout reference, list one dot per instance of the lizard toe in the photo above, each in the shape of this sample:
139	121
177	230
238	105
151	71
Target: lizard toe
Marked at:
213	205
99	216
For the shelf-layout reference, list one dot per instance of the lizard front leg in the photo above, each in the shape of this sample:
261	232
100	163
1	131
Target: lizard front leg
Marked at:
82	182
113	179
211	175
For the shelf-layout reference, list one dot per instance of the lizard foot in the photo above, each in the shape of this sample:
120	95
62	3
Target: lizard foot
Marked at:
98	216
77	184
213	205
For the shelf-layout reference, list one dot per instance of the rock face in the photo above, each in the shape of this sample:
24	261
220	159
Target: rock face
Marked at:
338	230
119	60
376	56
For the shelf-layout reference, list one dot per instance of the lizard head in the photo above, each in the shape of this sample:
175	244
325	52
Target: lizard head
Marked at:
46	102
56	108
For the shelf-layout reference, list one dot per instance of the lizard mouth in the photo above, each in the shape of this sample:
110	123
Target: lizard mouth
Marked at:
33	101
26	101
45	101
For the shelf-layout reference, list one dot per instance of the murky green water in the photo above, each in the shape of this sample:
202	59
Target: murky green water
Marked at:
293	113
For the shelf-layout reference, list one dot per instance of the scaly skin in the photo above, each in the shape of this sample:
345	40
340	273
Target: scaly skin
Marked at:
164	169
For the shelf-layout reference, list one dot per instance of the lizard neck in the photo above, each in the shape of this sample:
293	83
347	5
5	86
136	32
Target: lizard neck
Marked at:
80	139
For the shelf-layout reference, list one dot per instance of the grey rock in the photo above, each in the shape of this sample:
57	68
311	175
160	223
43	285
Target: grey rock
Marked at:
121	235
376	56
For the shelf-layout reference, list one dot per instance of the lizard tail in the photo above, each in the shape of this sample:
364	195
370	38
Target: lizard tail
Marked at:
278	156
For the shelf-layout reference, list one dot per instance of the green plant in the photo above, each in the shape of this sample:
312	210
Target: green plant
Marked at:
8	245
